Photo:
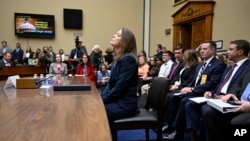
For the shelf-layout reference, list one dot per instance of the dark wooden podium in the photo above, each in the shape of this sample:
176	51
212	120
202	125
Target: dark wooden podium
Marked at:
21	71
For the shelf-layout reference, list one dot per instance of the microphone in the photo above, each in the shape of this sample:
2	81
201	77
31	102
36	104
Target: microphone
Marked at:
39	81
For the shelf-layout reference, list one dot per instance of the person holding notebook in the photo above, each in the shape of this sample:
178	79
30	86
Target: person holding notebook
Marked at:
237	53
219	126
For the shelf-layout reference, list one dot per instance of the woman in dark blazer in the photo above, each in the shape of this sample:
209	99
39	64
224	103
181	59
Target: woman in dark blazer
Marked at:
187	73
119	96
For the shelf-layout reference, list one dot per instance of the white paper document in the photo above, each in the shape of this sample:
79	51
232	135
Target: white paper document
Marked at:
221	106
177	94
199	100
11	81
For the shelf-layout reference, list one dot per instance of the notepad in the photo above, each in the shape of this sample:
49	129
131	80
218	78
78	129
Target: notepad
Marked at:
199	100
177	94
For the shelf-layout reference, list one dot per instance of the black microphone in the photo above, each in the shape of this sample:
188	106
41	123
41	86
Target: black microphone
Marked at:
39	81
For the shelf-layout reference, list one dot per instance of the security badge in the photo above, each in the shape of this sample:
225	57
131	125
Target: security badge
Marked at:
204	77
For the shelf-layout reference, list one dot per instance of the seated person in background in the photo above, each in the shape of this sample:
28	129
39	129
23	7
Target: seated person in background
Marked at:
103	75
219	126
185	76
143	70
109	57
58	67
86	68
33	60
206	76
95	57
6	61
153	72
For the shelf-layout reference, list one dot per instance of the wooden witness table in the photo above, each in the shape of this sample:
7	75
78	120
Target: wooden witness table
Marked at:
26	115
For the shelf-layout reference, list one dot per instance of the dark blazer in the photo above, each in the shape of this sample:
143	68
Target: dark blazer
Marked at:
2	64
176	72
18	56
235	77
158	54
240	85
119	95
214	71
187	76
220	123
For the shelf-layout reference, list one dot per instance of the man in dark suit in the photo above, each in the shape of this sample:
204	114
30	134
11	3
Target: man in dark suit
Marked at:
177	65
219	126
238	53
17	54
6	61
158	51
207	76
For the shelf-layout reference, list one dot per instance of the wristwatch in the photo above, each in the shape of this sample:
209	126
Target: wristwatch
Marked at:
192	89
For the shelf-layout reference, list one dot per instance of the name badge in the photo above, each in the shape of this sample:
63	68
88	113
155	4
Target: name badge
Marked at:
203	79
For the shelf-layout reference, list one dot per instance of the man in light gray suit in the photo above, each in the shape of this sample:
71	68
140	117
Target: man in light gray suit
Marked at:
4	48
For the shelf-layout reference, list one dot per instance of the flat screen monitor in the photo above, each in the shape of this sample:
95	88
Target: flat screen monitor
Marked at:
34	25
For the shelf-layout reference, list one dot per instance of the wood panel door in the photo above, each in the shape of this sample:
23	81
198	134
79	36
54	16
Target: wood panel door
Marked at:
198	32
193	23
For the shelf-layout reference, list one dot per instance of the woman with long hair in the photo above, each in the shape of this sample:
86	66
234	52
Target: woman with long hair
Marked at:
119	96
86	68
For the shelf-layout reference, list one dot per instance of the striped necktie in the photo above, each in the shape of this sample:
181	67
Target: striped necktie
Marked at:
200	73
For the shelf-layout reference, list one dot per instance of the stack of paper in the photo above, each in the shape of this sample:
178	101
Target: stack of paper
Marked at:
199	99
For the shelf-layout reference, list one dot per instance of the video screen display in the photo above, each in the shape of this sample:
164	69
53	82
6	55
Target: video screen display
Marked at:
34	25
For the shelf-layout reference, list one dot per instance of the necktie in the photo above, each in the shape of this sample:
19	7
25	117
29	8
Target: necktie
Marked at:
200	73
7	64
227	77
173	70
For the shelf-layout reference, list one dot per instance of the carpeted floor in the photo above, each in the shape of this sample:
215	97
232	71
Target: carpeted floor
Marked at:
139	135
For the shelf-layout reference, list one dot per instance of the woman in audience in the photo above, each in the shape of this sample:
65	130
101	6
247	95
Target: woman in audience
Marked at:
119	96
38	52
86	68
33	60
58	67
153	72
190	60
27	54
61	52
142	53
143	70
